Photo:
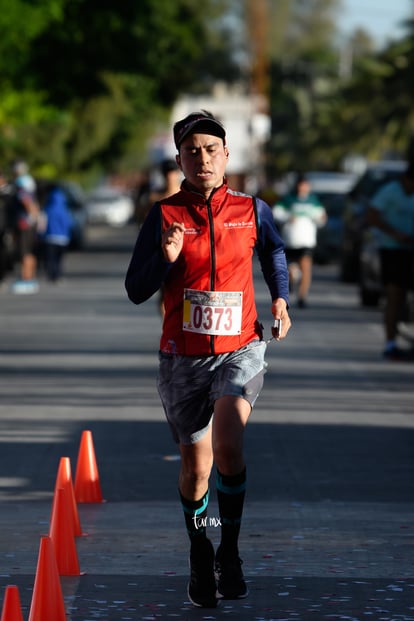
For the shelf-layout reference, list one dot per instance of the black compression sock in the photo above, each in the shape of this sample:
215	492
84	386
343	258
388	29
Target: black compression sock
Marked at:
230	495
195	515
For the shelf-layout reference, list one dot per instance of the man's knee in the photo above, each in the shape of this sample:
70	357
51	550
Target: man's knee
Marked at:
228	455
195	465
195	474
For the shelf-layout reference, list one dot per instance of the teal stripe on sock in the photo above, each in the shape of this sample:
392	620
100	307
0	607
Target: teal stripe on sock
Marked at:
229	489
199	510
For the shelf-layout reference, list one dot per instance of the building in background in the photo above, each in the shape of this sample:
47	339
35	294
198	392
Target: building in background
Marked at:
247	129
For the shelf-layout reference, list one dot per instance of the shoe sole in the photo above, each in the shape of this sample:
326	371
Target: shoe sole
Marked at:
221	596
206	604
230	595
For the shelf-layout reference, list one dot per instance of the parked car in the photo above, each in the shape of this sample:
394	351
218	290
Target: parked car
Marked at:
331	188
354	216
108	205
76	202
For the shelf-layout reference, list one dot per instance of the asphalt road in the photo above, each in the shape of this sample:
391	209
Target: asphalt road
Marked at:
328	530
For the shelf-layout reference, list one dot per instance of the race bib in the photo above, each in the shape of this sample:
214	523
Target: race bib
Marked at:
212	312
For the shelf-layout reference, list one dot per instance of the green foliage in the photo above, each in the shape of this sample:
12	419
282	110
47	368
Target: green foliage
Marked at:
148	38
303	29
304	75
320	115
30	128
21	23
96	75
373	112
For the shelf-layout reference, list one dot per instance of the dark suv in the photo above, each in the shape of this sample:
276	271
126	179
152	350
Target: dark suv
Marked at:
354	220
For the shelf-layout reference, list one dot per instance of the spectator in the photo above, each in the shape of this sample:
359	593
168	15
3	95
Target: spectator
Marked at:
391	213
6	232
57	230
298	215
25	216
171	181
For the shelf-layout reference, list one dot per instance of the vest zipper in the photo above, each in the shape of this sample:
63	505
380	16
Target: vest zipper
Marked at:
213	260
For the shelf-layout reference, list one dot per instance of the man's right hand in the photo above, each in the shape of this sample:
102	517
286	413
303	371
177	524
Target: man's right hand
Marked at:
172	241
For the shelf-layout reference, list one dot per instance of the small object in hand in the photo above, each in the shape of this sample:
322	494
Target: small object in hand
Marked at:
276	330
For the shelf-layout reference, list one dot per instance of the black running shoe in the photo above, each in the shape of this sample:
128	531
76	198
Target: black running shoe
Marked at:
202	585
230	579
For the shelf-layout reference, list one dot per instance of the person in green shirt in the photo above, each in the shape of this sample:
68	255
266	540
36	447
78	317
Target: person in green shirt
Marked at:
298	215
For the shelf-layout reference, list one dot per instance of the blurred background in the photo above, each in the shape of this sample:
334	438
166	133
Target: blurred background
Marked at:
90	91
91	88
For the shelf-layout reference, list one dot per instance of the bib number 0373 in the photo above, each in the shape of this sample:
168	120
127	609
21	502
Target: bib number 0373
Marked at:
212	312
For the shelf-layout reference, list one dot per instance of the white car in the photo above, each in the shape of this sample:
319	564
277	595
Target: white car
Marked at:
108	205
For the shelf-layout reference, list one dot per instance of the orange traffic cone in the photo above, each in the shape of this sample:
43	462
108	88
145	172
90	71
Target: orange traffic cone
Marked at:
12	610
87	485
63	480
62	535
47	599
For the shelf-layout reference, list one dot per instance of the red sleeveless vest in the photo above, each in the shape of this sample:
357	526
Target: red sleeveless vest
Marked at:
220	235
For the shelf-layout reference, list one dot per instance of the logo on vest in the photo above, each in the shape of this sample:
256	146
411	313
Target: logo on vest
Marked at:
192	230
241	224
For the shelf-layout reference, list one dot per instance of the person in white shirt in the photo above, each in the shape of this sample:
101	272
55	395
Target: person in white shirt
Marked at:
298	215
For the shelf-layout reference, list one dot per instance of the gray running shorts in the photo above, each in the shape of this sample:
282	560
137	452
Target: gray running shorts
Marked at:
189	386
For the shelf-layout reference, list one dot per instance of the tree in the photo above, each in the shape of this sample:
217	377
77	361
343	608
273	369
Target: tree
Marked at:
304	70
320	115
372	112
97	74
